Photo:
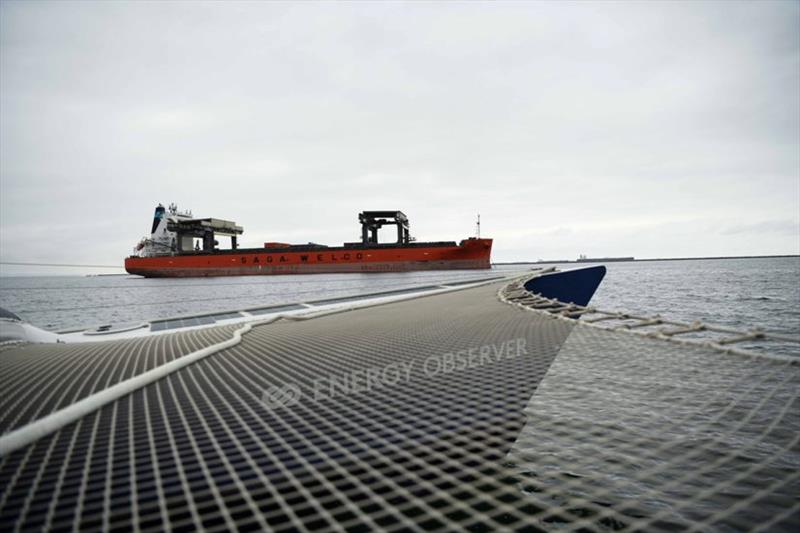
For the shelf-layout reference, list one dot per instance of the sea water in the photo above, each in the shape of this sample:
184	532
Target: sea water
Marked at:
740	293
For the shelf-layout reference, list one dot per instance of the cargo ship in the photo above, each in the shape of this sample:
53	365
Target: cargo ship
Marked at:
181	245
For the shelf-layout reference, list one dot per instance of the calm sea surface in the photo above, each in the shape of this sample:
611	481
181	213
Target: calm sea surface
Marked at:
733	292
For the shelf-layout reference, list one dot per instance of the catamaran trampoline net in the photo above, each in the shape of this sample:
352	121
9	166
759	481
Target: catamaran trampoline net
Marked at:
455	411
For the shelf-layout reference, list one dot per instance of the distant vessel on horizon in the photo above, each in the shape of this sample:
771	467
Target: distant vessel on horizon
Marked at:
583	259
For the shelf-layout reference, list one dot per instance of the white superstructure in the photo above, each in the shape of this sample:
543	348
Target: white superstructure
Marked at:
162	241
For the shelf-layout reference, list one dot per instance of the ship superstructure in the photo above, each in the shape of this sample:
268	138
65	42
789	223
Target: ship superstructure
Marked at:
175	231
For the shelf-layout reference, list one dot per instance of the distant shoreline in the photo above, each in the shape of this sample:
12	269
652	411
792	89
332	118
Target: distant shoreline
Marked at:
613	260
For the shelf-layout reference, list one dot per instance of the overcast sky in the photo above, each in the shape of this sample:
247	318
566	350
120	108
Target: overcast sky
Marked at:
635	128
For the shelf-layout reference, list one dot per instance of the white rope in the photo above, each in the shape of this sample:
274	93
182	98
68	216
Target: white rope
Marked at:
514	293
51	423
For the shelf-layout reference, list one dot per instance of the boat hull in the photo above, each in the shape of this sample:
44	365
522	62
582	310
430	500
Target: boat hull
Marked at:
471	254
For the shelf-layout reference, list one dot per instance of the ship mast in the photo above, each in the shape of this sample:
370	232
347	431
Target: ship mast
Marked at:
478	226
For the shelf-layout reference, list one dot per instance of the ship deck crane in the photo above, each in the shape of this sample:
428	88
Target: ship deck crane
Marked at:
205	229
372	221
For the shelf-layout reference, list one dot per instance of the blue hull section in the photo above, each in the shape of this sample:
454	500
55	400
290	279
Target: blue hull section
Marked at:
570	286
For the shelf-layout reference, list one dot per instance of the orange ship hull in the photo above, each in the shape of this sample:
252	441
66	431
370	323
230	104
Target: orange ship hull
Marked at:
469	254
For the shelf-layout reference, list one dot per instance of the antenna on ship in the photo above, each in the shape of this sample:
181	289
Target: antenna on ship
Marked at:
478	226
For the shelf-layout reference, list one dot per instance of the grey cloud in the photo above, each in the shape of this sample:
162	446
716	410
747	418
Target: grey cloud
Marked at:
289	118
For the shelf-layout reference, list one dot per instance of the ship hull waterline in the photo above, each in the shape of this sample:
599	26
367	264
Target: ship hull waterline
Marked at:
473	254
